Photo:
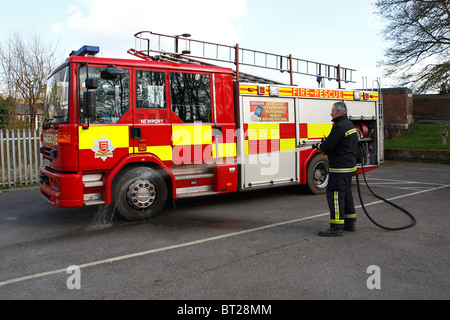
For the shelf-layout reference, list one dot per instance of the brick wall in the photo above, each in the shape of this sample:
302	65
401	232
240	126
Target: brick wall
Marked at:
432	107
397	110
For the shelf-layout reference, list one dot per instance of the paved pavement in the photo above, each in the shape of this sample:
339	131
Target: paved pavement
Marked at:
254	245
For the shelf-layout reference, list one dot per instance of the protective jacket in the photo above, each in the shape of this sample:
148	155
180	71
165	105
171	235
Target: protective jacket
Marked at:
340	146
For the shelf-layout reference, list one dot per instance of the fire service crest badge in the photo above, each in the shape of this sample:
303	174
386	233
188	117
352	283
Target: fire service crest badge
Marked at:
103	148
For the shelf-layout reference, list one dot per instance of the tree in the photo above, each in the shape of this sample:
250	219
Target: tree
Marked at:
3	113
24	66
6	105
420	31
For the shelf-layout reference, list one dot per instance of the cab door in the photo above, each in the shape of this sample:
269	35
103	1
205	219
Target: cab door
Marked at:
103	138
151	131
192	117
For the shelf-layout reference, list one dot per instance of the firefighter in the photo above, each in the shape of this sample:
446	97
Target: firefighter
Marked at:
340	146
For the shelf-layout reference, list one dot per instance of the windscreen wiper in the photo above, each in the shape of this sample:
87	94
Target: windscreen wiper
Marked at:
51	120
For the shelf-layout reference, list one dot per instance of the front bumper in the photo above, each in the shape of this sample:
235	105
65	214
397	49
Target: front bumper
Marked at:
61	189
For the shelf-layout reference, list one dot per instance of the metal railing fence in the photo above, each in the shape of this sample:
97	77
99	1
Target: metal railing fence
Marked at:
19	157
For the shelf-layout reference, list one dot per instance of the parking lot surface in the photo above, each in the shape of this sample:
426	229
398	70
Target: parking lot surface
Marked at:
259	245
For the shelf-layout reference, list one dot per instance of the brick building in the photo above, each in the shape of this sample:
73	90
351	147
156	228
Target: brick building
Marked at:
397	111
401	109
432	107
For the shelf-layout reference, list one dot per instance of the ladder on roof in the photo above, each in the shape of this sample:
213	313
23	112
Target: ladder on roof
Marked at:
181	48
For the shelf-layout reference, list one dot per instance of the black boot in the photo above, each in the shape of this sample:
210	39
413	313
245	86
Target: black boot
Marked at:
334	231
349	227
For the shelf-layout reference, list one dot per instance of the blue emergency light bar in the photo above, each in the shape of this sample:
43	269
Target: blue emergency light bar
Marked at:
86	50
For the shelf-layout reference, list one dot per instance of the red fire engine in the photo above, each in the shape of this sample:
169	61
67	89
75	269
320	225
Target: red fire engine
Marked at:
135	133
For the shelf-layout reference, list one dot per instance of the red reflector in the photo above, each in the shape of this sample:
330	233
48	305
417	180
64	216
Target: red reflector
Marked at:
261	90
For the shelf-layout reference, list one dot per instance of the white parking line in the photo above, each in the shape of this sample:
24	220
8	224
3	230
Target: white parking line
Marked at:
200	241
403	181
398	184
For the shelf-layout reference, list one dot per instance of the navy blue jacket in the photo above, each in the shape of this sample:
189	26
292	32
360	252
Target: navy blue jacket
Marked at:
340	146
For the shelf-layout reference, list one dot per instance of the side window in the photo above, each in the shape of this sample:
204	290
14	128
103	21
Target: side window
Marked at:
150	89
112	95
191	96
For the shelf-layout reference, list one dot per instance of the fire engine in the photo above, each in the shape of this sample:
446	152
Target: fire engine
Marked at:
134	133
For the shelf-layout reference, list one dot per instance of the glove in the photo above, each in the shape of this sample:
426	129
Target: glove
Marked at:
315	146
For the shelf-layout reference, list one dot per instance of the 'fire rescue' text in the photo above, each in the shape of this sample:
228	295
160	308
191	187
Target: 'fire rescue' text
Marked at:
316	93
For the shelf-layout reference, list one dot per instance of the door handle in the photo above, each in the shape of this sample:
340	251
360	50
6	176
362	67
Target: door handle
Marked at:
135	132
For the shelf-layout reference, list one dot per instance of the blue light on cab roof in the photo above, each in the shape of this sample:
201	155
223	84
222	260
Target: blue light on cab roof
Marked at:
86	50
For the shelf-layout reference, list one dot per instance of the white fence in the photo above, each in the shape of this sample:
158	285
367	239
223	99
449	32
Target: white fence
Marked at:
19	157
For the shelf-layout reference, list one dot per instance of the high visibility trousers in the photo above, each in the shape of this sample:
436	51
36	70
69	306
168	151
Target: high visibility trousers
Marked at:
340	200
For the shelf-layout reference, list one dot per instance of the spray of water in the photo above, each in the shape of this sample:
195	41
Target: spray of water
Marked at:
103	217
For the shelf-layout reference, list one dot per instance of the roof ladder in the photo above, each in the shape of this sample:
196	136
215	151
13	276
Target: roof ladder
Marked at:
181	48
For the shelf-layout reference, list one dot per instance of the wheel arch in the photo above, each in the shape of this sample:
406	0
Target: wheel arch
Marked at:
133	161
304	165
317	160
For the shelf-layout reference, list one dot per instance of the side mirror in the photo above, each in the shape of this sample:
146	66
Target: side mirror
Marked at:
91	83
112	73
89	97
89	104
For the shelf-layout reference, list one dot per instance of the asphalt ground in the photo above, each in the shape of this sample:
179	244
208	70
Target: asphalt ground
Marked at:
253	246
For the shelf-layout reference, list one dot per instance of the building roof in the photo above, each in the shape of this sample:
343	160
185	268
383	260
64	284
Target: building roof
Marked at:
24	108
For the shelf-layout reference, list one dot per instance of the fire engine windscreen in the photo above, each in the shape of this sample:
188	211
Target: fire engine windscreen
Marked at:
112	94
57	97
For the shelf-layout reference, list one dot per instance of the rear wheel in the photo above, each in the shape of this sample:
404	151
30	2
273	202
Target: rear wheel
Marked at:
317	174
140	193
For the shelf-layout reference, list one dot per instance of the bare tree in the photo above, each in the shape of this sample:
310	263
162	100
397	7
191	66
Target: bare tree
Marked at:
420	32
25	63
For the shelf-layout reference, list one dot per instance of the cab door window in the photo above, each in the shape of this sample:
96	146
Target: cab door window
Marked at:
150	89
112	95
191	96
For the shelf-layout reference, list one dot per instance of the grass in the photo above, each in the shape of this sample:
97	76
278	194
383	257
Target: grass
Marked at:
421	137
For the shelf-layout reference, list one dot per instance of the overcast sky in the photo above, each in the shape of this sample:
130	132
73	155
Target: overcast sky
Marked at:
346	32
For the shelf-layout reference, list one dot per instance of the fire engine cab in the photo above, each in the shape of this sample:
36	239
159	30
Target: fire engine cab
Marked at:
134	133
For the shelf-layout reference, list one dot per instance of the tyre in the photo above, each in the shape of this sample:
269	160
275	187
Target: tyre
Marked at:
140	193
317	174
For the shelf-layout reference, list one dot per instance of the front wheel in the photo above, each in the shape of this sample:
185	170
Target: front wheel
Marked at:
317	174
140	193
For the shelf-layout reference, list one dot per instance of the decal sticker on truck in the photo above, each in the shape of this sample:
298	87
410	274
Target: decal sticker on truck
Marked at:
103	148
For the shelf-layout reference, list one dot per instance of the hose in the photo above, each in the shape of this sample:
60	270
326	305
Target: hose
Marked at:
413	220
